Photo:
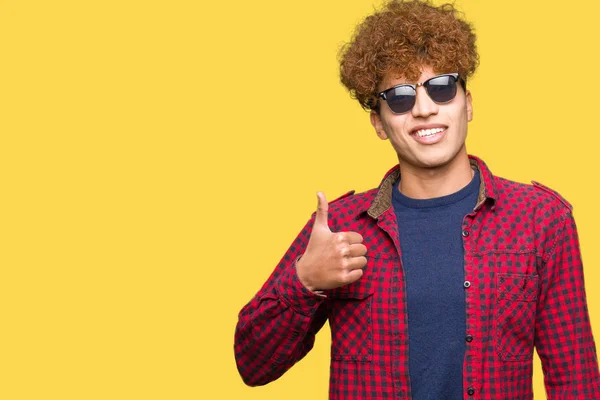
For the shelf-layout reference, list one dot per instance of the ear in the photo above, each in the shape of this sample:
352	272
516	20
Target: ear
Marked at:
378	125
469	100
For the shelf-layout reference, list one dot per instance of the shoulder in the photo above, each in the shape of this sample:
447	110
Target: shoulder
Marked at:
351	201
345	210
554	195
537	212
534	196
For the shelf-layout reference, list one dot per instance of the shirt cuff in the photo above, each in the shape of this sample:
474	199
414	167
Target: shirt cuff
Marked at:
296	295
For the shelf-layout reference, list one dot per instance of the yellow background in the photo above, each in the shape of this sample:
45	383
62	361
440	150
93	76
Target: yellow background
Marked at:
158	157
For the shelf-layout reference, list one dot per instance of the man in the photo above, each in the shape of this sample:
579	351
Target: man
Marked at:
439	283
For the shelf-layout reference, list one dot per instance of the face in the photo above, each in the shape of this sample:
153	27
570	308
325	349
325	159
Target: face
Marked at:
418	149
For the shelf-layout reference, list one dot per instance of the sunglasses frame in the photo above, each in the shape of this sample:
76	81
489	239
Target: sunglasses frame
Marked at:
414	86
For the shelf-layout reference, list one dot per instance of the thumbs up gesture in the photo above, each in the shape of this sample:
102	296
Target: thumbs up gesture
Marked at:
331	259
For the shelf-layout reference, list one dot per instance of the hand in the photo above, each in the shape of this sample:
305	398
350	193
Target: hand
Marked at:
331	259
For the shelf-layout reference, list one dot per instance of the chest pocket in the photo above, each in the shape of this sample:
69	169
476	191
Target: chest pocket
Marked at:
351	315
516	296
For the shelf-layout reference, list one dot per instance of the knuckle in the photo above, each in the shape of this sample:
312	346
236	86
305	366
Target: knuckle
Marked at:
345	264
354	276
347	278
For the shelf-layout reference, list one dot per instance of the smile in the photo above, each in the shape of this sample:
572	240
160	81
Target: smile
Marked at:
430	135
428	132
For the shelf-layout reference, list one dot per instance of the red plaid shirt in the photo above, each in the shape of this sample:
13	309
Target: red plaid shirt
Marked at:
524	287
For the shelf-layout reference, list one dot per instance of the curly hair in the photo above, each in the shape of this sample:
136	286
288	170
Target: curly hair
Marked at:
402	38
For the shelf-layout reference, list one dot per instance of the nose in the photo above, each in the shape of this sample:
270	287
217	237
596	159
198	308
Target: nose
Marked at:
424	106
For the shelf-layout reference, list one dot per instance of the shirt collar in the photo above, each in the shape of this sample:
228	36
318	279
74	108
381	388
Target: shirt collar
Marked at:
383	197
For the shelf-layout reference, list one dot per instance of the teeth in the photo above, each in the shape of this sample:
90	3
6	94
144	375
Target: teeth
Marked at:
428	132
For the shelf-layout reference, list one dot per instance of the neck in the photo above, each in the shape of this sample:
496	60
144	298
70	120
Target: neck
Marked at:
428	183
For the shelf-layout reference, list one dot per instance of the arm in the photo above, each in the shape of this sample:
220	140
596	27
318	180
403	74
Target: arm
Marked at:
563	337
277	328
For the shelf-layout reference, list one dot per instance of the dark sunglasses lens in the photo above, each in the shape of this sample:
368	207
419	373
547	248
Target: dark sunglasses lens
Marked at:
400	99
441	89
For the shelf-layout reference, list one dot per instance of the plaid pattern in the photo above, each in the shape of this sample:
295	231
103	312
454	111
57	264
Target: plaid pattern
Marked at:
524	288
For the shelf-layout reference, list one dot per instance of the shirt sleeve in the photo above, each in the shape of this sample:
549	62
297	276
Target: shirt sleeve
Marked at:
563	336
277	327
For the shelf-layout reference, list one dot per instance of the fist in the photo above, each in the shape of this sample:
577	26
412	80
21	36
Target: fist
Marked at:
331	259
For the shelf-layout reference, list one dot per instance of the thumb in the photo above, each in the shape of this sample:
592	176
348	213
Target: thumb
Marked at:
322	211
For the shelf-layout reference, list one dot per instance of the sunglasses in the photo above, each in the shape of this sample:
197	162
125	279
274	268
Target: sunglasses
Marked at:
401	98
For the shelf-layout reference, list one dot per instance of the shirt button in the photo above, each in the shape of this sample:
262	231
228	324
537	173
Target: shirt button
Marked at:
469	338
470	391
467	284
465	233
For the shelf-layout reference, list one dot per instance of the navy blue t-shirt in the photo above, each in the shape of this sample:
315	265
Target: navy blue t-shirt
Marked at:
431	242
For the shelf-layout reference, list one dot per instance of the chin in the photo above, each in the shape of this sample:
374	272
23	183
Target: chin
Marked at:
432	161
436	160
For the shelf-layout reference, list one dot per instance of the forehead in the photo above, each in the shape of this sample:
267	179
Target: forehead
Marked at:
393	78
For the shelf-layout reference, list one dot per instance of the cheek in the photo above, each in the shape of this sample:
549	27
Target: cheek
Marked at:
461	118
395	128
